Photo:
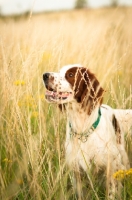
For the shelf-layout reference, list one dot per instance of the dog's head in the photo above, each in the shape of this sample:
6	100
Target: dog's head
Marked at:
73	83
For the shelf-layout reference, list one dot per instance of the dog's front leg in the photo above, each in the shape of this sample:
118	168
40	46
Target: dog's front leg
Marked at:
77	184
113	186
113	189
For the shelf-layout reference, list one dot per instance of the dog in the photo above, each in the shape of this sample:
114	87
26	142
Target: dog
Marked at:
94	131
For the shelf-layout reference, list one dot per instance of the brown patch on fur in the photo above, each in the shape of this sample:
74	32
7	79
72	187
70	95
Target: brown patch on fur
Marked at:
117	129
86	87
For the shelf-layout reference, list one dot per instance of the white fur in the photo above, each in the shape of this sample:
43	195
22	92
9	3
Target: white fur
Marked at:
101	146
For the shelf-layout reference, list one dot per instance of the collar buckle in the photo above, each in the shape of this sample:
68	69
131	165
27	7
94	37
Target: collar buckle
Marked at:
84	136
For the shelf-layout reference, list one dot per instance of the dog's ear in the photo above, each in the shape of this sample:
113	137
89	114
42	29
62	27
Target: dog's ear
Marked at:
87	89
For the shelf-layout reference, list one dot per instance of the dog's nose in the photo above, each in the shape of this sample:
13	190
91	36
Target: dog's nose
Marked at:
46	76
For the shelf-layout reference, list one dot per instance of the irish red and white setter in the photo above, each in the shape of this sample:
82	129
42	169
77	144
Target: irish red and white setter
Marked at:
95	132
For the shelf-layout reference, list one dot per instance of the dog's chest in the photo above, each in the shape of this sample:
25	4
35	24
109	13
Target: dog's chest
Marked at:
79	120
84	153
94	149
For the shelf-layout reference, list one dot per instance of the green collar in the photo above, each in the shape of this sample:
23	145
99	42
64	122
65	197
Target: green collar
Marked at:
83	136
95	124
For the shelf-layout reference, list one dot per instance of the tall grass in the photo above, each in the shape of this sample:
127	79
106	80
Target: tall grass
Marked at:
32	133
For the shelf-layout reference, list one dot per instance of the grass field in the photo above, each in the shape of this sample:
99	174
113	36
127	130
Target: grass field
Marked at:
32	132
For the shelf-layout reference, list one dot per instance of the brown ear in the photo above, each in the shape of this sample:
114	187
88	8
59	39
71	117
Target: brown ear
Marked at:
87	89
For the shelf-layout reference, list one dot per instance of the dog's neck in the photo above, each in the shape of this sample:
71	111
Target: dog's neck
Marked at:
79	119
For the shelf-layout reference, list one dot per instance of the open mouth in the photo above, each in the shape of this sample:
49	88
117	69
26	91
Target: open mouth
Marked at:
54	96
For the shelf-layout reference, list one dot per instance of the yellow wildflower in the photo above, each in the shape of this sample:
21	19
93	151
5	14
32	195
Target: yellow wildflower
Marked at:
46	56
41	97
35	114
7	160
19	82
121	174
27	101
129	172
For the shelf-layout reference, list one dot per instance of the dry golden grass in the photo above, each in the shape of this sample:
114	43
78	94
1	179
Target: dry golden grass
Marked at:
31	136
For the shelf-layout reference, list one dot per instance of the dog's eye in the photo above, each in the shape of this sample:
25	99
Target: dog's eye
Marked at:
71	74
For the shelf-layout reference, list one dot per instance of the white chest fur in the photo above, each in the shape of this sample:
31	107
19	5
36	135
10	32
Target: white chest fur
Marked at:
99	143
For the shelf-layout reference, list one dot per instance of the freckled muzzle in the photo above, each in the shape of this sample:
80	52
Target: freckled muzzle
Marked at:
51	94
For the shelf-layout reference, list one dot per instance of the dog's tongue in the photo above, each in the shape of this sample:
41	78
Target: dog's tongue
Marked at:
56	94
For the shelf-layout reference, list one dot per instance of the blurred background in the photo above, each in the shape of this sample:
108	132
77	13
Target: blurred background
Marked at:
9	7
43	35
